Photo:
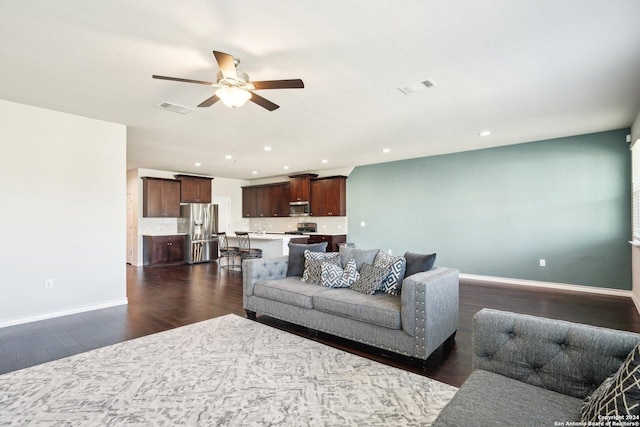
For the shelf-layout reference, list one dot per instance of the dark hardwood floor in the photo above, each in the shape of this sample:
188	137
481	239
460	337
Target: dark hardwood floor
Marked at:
162	298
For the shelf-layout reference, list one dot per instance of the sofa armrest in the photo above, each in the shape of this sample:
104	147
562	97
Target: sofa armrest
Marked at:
569	358
254	270
430	307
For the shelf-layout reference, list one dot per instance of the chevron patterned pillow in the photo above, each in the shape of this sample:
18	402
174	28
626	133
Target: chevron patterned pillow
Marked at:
618	395
370	279
313	265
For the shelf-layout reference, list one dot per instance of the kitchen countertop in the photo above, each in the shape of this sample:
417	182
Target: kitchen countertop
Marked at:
323	233
272	245
317	233
273	236
163	234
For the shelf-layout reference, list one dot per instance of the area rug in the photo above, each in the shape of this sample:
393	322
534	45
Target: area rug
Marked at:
228	371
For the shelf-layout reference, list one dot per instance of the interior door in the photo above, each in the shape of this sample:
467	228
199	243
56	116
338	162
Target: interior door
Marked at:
129	229
224	213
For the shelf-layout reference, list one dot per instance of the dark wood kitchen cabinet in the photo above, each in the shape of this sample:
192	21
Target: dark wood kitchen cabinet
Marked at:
299	187
333	241
249	202
158	250
271	200
194	189
279	199
329	196
161	197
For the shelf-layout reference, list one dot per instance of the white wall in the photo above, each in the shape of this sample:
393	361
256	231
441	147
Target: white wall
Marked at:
63	192
231	188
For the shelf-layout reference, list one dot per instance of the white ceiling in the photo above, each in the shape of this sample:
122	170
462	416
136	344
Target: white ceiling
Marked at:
526	70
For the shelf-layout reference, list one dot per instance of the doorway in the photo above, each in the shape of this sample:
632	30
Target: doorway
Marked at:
129	229
224	213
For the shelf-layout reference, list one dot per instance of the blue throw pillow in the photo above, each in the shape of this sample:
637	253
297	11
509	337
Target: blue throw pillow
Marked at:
417	263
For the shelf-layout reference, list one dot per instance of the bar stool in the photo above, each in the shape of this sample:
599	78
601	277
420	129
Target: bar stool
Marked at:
227	251
246	252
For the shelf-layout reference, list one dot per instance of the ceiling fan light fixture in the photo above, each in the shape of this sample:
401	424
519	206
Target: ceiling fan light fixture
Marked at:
233	97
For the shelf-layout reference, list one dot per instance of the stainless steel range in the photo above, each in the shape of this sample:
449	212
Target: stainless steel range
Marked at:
304	227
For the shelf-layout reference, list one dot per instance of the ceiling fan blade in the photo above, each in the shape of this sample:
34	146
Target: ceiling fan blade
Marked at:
176	79
279	84
226	64
209	101
264	103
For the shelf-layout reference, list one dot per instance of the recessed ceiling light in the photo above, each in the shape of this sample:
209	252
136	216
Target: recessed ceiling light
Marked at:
255	172
198	164
286	167
325	161
386	150
485	133
267	148
228	157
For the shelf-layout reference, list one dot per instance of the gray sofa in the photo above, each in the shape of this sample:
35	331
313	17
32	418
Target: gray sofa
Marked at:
412	324
532	371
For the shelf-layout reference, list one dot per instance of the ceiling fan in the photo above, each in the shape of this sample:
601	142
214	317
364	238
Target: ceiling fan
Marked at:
234	86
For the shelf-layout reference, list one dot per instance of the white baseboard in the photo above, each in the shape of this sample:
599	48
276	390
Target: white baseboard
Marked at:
561	286
106	304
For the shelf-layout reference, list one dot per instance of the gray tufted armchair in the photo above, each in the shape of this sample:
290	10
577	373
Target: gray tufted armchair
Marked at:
533	371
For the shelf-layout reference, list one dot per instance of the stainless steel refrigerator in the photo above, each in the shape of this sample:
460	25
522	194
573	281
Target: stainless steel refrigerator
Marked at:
200	223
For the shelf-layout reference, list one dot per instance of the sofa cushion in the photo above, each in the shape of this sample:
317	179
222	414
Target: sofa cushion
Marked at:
618	395
488	399
362	256
289	290
313	265
370	279
333	276
379	309
395	266
296	256
417	263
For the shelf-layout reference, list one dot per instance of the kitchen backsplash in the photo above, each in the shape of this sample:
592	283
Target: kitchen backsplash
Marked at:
158	225
326	224
330	225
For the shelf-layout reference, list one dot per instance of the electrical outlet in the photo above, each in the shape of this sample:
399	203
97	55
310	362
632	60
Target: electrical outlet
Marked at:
389	252
543	262
361	223
48	283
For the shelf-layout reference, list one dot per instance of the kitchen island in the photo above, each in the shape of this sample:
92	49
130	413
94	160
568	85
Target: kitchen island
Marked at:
272	244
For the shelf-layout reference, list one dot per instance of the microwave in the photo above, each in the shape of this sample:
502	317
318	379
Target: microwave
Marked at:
299	209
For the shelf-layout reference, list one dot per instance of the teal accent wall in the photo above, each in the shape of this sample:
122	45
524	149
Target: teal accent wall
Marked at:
498	211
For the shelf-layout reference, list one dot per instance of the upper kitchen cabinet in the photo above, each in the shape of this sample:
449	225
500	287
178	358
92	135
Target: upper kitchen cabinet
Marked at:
161	197
249	202
300	187
279	199
329	196
271	200
194	189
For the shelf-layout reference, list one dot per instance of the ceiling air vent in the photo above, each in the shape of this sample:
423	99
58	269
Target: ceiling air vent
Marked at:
416	87
174	108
